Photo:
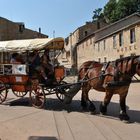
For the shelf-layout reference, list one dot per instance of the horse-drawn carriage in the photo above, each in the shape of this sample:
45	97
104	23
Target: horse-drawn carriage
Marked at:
112	77
16	76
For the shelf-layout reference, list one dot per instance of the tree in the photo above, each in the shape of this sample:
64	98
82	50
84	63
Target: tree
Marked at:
117	9
97	14
110	11
126	7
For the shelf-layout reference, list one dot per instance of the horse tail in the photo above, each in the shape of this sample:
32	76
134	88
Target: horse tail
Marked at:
73	90
82	73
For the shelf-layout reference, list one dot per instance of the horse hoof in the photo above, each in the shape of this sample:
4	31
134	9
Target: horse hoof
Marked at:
84	106
124	117
103	113
84	109
103	109
92	108
93	113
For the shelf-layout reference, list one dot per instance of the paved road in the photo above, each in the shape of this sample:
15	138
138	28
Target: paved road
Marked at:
57	121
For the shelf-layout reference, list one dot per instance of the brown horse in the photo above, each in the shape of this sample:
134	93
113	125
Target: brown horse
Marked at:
112	77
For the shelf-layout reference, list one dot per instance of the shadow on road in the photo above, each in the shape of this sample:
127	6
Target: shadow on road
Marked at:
113	109
19	102
41	138
56	105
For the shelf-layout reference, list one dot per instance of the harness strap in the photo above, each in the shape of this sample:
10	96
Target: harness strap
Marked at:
105	66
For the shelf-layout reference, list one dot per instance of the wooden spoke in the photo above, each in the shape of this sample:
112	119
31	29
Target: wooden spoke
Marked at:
3	92
20	93
37	97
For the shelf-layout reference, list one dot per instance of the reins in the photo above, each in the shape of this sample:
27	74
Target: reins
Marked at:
81	81
85	80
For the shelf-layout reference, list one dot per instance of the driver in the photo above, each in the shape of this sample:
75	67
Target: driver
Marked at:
34	60
47	69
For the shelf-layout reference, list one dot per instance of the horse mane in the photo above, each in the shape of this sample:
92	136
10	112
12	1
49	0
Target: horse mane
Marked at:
126	58
88	65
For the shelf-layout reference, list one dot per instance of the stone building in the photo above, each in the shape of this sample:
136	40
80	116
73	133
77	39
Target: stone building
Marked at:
10	30
71	41
113	41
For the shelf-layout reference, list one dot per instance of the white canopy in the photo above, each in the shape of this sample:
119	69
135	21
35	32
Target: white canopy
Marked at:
31	44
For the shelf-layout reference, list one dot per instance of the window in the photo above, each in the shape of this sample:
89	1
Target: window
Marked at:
121	39
104	44
133	54
87	43
21	28
98	46
90	40
86	33
99	59
94	46
132	36
67	40
105	59
114	42
1	57
121	56
83	46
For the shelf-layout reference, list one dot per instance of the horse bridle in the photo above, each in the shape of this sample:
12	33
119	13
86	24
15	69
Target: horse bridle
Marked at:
129	75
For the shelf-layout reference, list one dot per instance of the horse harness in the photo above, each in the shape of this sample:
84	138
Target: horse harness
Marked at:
117	75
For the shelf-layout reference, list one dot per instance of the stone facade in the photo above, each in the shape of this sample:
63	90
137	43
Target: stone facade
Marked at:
78	35
12	31
117	40
85	50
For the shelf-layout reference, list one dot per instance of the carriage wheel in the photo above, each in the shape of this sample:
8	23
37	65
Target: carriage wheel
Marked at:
37	97
60	94
20	93
3	92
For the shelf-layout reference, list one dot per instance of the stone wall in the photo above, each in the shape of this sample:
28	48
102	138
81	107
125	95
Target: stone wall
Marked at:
104	50
103	44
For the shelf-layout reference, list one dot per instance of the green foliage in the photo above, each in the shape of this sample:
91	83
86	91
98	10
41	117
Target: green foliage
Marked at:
117	9
110	11
97	13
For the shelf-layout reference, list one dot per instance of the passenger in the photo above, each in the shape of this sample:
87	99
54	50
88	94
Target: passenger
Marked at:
15	59
20	59
42	66
34	62
47	70
46	54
